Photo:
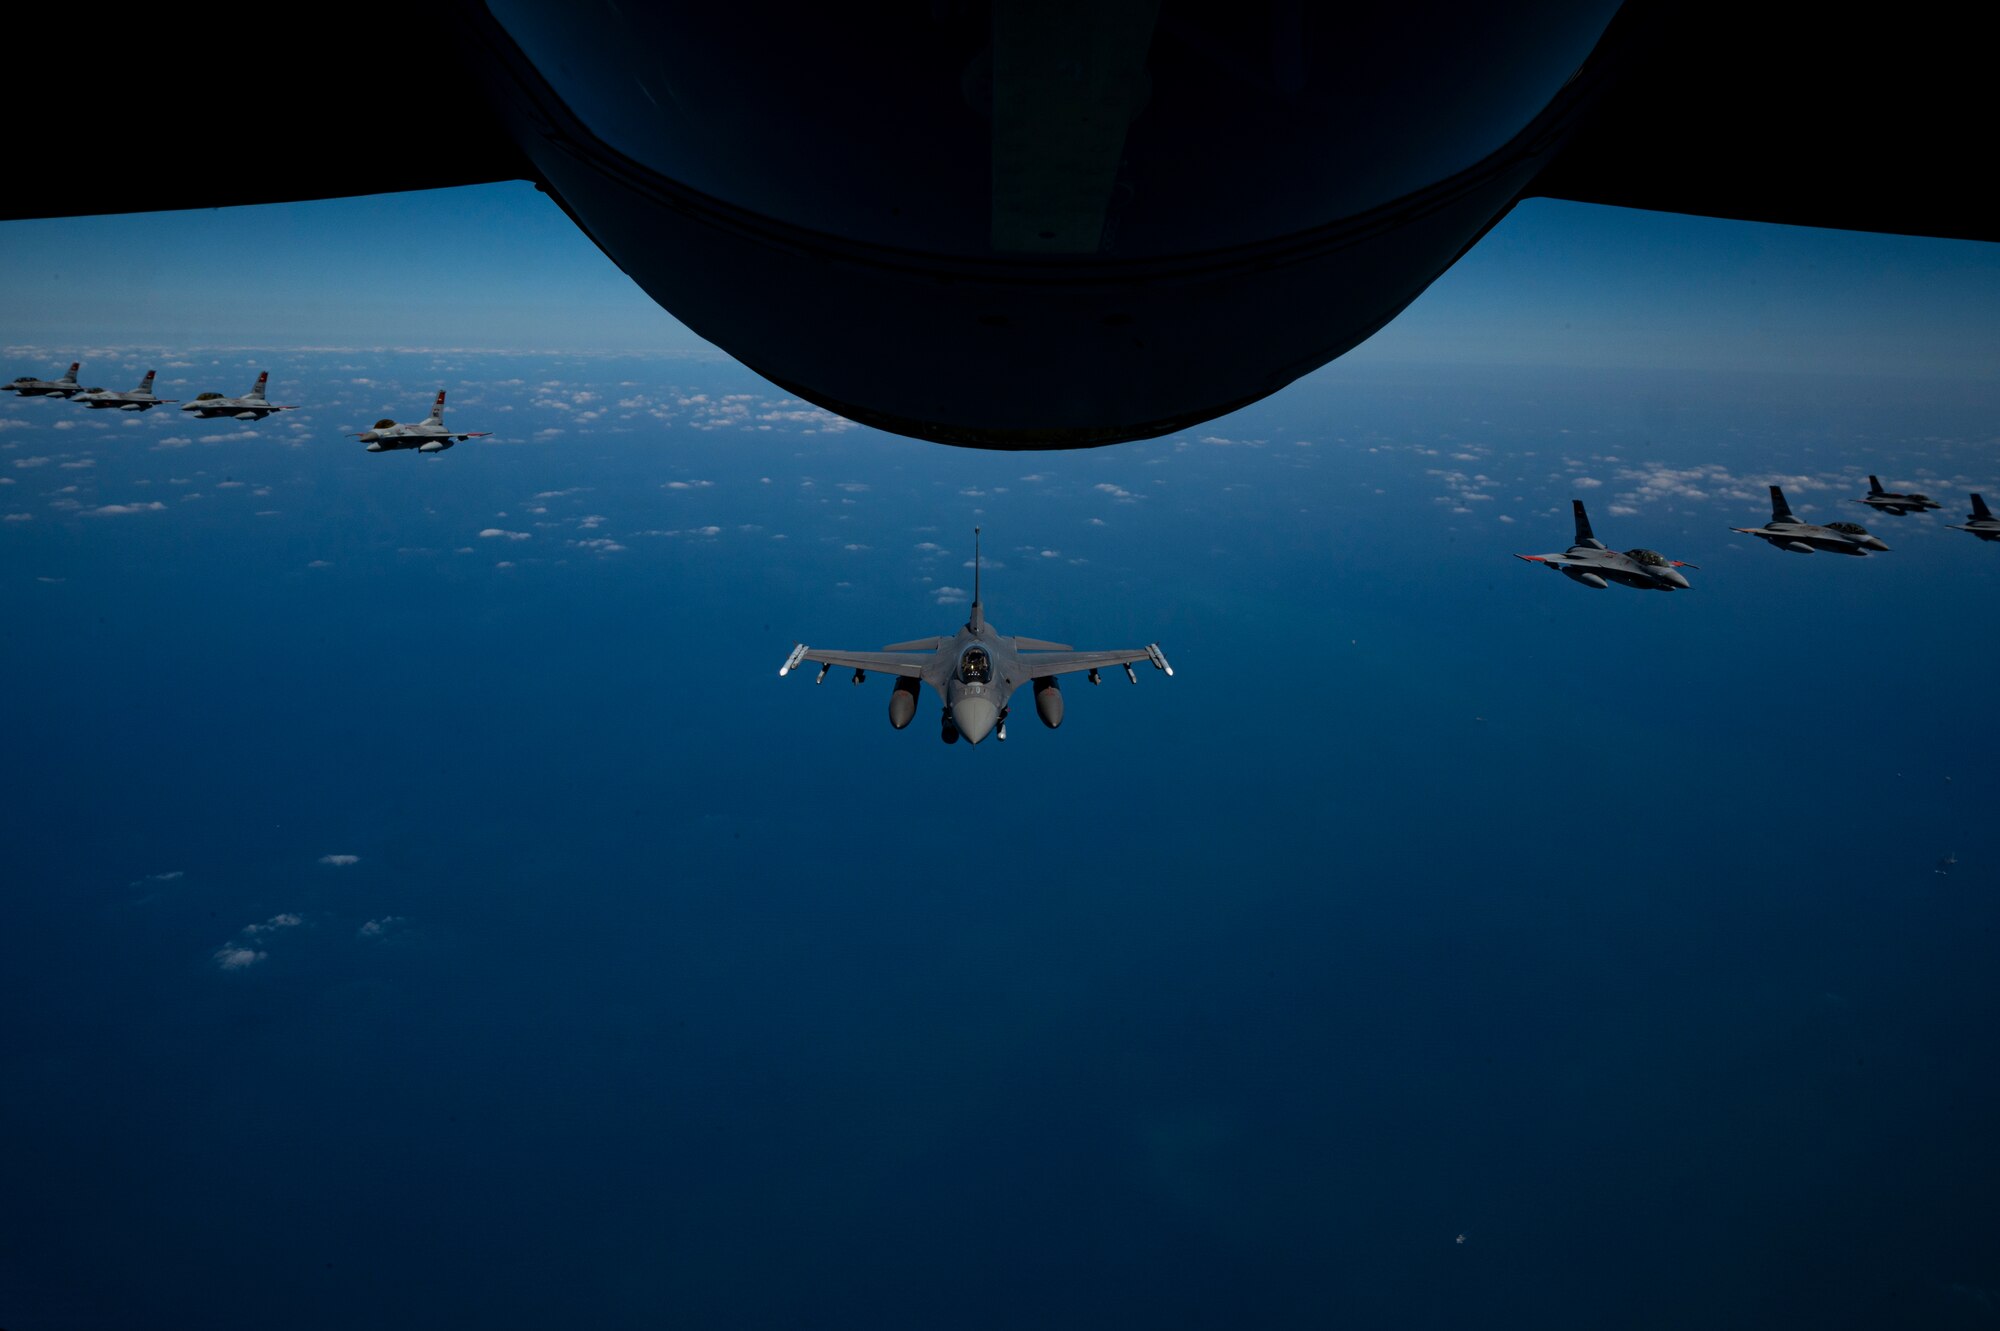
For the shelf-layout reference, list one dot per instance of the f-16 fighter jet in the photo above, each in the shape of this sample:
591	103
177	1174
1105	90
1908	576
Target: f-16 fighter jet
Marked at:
1980	522
1882	501
139	399
29	386
1590	563
426	436
975	671
250	407
1786	532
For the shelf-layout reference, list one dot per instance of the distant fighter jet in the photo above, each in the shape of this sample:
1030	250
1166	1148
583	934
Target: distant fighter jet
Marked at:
29	386
975	671
1980	522
250	407
1786	532
139	399
1882	501
1590	563
426	436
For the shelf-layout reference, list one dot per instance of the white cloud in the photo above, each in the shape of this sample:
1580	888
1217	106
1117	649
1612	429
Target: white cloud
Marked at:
119	510
950	595
340	859
287	920
491	532
18	517
80	464
31	462
233	958
379	928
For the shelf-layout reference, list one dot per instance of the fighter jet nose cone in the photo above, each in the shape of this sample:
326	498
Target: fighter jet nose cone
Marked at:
1673	577
1876	543
975	717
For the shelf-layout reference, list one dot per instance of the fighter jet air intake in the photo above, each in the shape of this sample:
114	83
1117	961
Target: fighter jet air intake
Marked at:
975	671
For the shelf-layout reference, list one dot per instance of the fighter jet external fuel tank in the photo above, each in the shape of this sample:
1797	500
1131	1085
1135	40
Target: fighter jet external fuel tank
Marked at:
975	672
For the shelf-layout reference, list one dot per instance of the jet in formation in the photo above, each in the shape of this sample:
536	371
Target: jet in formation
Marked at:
426	436
1785	532
252	406
1896	505
1980	521
975	671
29	386
1592	564
139	399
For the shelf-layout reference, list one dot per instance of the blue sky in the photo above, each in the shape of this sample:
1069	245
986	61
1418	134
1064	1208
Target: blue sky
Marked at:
426	903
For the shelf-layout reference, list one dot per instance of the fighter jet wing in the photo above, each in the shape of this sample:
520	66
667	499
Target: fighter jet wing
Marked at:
908	664
1068	663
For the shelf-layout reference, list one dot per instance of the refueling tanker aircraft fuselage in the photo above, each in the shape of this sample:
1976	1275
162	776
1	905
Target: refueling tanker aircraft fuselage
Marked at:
975	671
1011	225
426	436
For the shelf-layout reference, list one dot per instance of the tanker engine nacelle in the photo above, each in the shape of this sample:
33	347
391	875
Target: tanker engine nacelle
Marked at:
903	702
1048	701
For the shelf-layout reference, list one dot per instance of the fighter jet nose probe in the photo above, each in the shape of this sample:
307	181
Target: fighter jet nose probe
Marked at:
975	672
1591	563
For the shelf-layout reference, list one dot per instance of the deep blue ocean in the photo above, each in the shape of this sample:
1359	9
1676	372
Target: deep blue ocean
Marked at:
425	904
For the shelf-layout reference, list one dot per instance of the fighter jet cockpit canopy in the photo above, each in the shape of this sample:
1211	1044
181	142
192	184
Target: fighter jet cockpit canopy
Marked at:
1851	528
206	397
384	424
1650	558
975	667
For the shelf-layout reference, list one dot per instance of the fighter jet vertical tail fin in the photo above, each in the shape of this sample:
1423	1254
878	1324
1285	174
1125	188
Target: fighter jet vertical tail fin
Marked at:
70	376
146	384
258	391
1875	486
1584	536
978	620
1979	509
437	411
1780	510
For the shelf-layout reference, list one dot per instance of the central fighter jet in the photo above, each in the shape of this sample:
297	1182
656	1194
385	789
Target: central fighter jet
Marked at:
1592	564
975	671
1785	532
426	436
252	406
1896	505
139	399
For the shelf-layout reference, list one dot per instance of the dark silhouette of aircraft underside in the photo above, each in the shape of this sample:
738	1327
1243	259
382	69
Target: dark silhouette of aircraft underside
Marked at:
1040	224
